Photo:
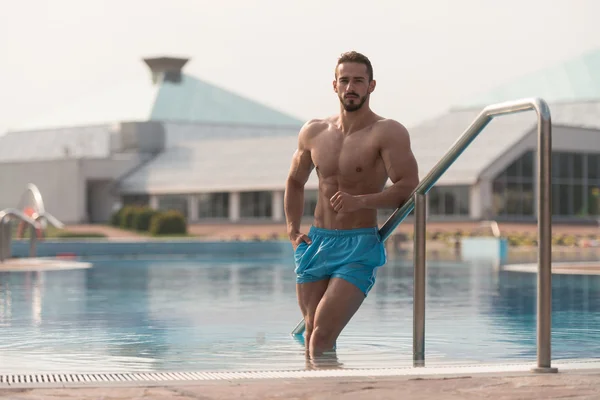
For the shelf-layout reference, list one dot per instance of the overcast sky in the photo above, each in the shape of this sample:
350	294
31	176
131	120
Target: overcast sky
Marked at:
427	54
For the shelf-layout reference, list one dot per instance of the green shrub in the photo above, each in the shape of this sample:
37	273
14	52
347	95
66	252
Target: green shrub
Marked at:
565	240
529	240
513	240
115	218
168	223
570	240
142	218
459	234
433	235
127	214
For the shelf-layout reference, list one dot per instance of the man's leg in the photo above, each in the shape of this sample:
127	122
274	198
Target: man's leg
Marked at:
309	295
339	304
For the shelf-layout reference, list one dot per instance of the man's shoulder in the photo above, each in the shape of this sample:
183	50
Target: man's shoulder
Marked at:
315	126
319	123
391	126
387	127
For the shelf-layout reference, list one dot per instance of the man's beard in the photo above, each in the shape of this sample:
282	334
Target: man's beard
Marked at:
356	104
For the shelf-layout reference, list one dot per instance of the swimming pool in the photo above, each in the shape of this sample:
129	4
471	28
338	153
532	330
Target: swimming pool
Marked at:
193	314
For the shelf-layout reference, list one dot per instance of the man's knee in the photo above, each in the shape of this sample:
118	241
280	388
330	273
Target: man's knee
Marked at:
322	338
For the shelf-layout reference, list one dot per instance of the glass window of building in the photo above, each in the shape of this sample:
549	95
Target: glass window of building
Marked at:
256	204
173	202
213	205
575	184
449	200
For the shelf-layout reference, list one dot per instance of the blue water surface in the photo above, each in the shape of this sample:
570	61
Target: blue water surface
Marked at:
237	314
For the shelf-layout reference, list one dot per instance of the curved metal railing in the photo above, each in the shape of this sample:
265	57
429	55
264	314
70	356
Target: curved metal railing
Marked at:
39	220
33	191
51	219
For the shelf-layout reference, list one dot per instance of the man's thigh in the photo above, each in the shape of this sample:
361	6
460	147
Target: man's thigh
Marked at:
338	305
309	295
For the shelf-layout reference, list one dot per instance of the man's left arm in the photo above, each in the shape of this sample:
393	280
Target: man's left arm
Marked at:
401	167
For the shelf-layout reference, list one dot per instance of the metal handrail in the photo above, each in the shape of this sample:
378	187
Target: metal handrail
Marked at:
46	216
6	233
38	200
482	120
544	198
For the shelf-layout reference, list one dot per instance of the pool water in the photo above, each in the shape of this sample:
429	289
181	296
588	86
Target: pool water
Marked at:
215	314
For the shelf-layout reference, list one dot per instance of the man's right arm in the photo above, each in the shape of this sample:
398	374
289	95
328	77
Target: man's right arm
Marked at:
299	173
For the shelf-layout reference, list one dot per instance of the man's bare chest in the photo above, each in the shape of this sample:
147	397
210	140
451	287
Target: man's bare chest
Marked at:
348	158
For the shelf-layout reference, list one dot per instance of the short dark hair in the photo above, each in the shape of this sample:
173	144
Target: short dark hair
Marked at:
356	57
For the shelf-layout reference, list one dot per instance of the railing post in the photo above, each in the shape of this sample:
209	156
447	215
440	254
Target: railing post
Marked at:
544	281
419	255
3	239
32	241
7	239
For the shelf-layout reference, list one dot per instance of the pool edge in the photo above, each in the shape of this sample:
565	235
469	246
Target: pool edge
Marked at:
147	379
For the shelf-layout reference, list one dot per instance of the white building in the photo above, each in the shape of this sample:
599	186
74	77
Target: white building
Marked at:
178	142
90	155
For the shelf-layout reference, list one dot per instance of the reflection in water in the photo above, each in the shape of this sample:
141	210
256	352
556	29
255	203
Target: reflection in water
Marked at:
143	315
5	301
32	285
575	311
327	360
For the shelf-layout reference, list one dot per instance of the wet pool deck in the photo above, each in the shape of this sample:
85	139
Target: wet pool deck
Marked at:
41	264
573	381
559	268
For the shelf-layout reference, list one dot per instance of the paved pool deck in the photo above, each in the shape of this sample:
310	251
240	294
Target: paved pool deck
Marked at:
564	385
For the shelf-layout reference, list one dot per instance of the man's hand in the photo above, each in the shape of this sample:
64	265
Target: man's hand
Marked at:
297	238
344	202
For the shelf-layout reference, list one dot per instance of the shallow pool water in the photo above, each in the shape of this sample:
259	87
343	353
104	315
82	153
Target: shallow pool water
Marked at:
192	315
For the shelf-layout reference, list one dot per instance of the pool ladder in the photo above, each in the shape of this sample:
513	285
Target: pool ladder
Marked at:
6	230
417	202
40	219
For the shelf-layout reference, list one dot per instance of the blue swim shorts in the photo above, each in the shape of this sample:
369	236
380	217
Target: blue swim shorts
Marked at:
352	254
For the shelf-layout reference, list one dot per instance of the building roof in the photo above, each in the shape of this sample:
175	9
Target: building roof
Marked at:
138	97
194	100
574	80
189	132
572	88
433	138
213	165
262	164
252	150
